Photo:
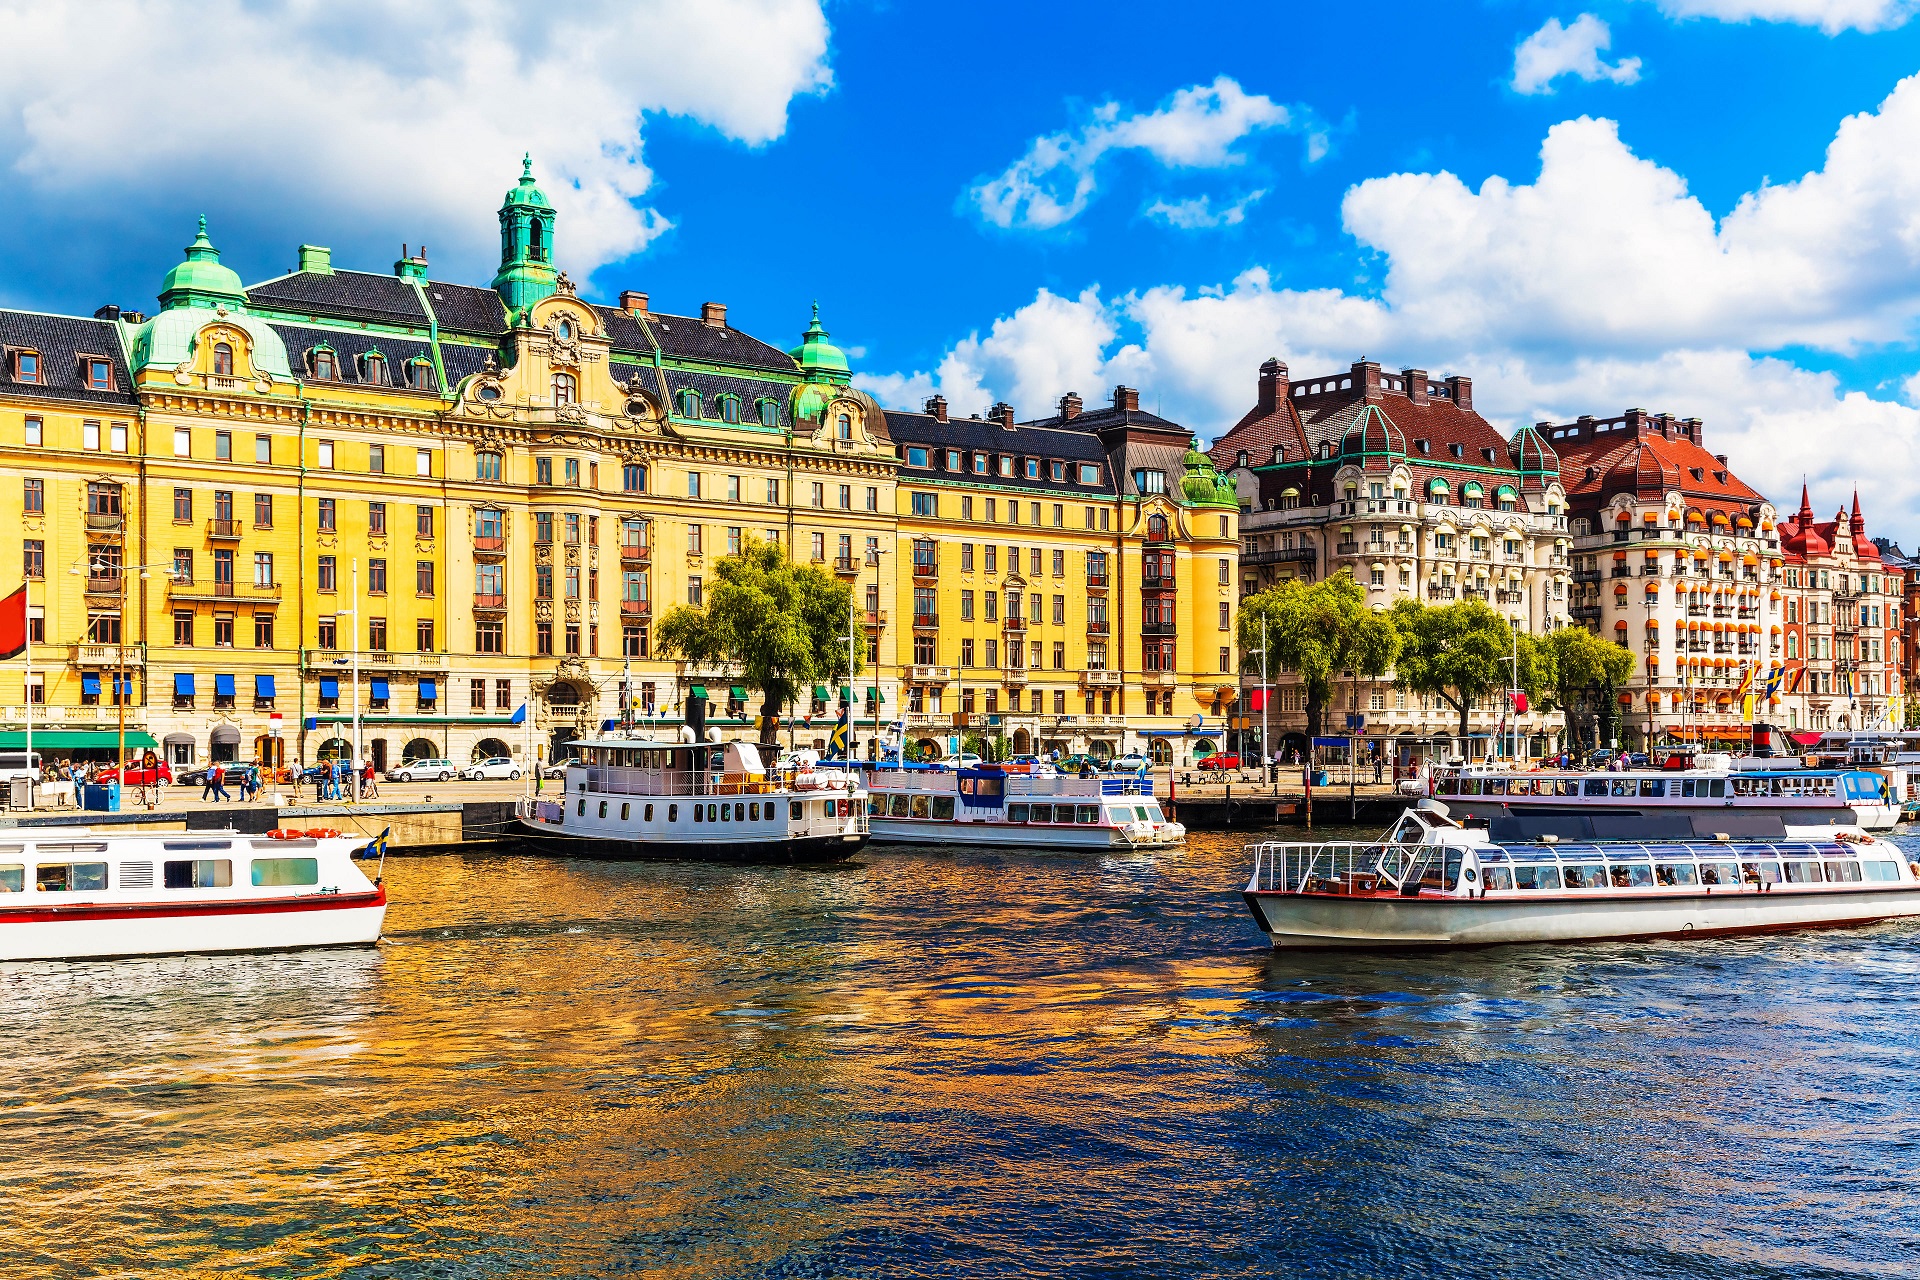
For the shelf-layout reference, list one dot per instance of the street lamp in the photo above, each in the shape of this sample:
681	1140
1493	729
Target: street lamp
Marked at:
99	568
873	558
1273	776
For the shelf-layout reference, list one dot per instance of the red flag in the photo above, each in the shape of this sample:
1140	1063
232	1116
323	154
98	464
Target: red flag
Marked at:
13	624
1519	704
1257	700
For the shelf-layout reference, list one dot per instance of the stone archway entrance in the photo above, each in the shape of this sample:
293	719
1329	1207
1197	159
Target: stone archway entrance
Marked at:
1022	742
487	748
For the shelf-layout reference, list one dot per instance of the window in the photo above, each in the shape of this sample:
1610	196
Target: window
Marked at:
563	388
420	375
183	564
263	631
486	466
34	559
89	435
223	360
377	576
34	430
543	582
926	504
263	511
819	494
326	365
423	577
377	634
423	641
326	455
377	519
326	578
843	427
1146	481
34	495
182	442
773	493
688	401
328	630
696	542
263	568
572	579
819	542
729	408
103	498
376	458
571	470
633	477
183	629
846	497
543	638
916	457
769	414
695	596
222	632
423	522
26	366
117	437
263	449
373	368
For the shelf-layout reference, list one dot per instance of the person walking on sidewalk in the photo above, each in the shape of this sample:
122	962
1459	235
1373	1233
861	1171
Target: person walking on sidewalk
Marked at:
369	783
215	784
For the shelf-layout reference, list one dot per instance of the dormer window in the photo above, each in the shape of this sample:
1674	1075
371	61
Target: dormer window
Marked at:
26	366
843	427
729	408
1150	481
916	457
420	375
1720	476
1033	468
325	365
769	414
99	373
1487	454
373	369
563	388
1006	467
1698	473
979	464
1423	446
953	460
1057	471
1240	459
689	402
1089	473
223	359
1456	450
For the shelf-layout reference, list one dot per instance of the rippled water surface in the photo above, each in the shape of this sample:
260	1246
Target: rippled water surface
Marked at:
953	1064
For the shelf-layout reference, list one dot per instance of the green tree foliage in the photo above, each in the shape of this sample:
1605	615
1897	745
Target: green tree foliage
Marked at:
784	625
1318	630
1461	653
1579	666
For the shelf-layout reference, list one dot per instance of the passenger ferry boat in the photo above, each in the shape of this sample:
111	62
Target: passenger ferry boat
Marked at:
708	802
1435	882
986	806
1752	798
71	893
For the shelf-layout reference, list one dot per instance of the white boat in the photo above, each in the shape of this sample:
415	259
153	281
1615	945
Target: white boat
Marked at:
1434	882
71	893
709	802
987	806
1744	798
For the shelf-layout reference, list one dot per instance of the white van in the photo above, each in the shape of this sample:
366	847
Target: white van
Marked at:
16	764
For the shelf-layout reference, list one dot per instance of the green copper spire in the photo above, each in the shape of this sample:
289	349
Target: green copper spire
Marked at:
819	359
526	244
201	281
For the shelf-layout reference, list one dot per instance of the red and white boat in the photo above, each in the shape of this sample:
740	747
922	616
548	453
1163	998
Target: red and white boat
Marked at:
70	893
1435	882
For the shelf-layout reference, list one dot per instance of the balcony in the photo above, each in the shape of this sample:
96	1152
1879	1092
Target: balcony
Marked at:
1388	506
1622	571
1510	597
1586	575
926	621
1154	582
104	584
635	553
1584	613
1282	555
878	619
929	675
105	521
1159	679
489	600
1159	629
925	569
1095	678
1015	675
848	566
636	608
1441	593
107	655
1096	582
1346	548
1012	623
489	545
243	592
1098	628
223	530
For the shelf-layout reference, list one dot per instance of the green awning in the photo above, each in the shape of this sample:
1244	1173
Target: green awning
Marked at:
819	693
74	739
846	693
698	692
873	694
739	693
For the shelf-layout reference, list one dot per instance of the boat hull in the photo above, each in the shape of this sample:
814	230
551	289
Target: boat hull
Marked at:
1333	920
784	851
108	930
1010	835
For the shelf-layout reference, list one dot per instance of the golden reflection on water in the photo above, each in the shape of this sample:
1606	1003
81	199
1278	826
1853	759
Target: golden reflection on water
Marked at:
927	1063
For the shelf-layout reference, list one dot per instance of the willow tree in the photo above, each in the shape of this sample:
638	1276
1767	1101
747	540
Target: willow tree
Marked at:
1580	664
783	625
1318	631
1462	653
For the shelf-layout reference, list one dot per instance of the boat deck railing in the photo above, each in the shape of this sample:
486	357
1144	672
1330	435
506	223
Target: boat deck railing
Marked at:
1288	867
617	781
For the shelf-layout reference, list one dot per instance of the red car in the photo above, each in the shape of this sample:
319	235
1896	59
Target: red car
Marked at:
141	775
1221	760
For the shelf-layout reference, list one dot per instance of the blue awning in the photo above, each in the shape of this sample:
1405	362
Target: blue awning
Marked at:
380	691
263	686
223	686
427	691
183	684
329	686
123	684
90	683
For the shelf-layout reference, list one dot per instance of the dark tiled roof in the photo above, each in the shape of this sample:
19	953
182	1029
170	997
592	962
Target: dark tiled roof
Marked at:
689	338
350	345
461	361
466	309
980	435
341	295
712	386
60	341
626	334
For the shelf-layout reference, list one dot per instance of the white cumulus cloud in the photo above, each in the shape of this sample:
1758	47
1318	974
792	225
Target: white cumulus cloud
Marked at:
1831	16
1199	212
1574	50
408	117
1200	127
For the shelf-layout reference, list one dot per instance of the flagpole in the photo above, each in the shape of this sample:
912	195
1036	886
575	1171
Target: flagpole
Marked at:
354	789
26	634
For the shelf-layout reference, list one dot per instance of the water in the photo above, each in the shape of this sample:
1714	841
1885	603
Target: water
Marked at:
953	1064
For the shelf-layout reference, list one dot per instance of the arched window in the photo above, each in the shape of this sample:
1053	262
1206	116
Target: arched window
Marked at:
769	414
689	403
326	365
1157	529
729	409
843	427
536	241
486	466
420	375
374	368
223	359
563	388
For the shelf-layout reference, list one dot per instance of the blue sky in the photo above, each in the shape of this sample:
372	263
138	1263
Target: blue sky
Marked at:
1585	207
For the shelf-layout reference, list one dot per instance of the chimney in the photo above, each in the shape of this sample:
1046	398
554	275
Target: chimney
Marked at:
108	312
633	302
1416	382
1366	378
713	314
1691	427
1462	390
1273	385
1636	421
410	266
1070	406
937	408
317	259
1126	398
1720	458
1002	413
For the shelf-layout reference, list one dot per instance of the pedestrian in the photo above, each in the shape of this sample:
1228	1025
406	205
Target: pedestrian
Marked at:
369	782
1379	767
214	784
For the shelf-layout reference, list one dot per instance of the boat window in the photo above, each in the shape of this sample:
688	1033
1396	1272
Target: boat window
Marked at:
1499	877
1653	787
1154	814
943	808
1449	787
1496	786
673	813
647	813
183	846
753	811
1016	813
581	812
625	809
1408	832
711	810
1040	813
13	878
1874	871
1536	877
920	807
1676	873
1086	813
1622	787
198	873
1595	787
900	807
793	810
1581	876
71	877
1720	873
1716	788
1471	786
274	873
876	805
603	809
1686	788
1631	875
1760	872
1803	873
1839	871
699	813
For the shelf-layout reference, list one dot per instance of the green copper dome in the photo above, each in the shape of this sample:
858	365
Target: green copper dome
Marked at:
819	358
524	191
201	281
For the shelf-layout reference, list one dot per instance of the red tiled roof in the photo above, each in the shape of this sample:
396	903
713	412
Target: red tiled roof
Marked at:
1647	465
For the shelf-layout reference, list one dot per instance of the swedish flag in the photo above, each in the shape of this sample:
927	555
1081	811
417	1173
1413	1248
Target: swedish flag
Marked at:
376	847
837	746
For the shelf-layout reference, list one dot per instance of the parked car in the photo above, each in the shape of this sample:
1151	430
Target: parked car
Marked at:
966	760
1022	764
17	764
1079	763
1220	761
491	767
1132	762
160	774
554	769
197	777
423	771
